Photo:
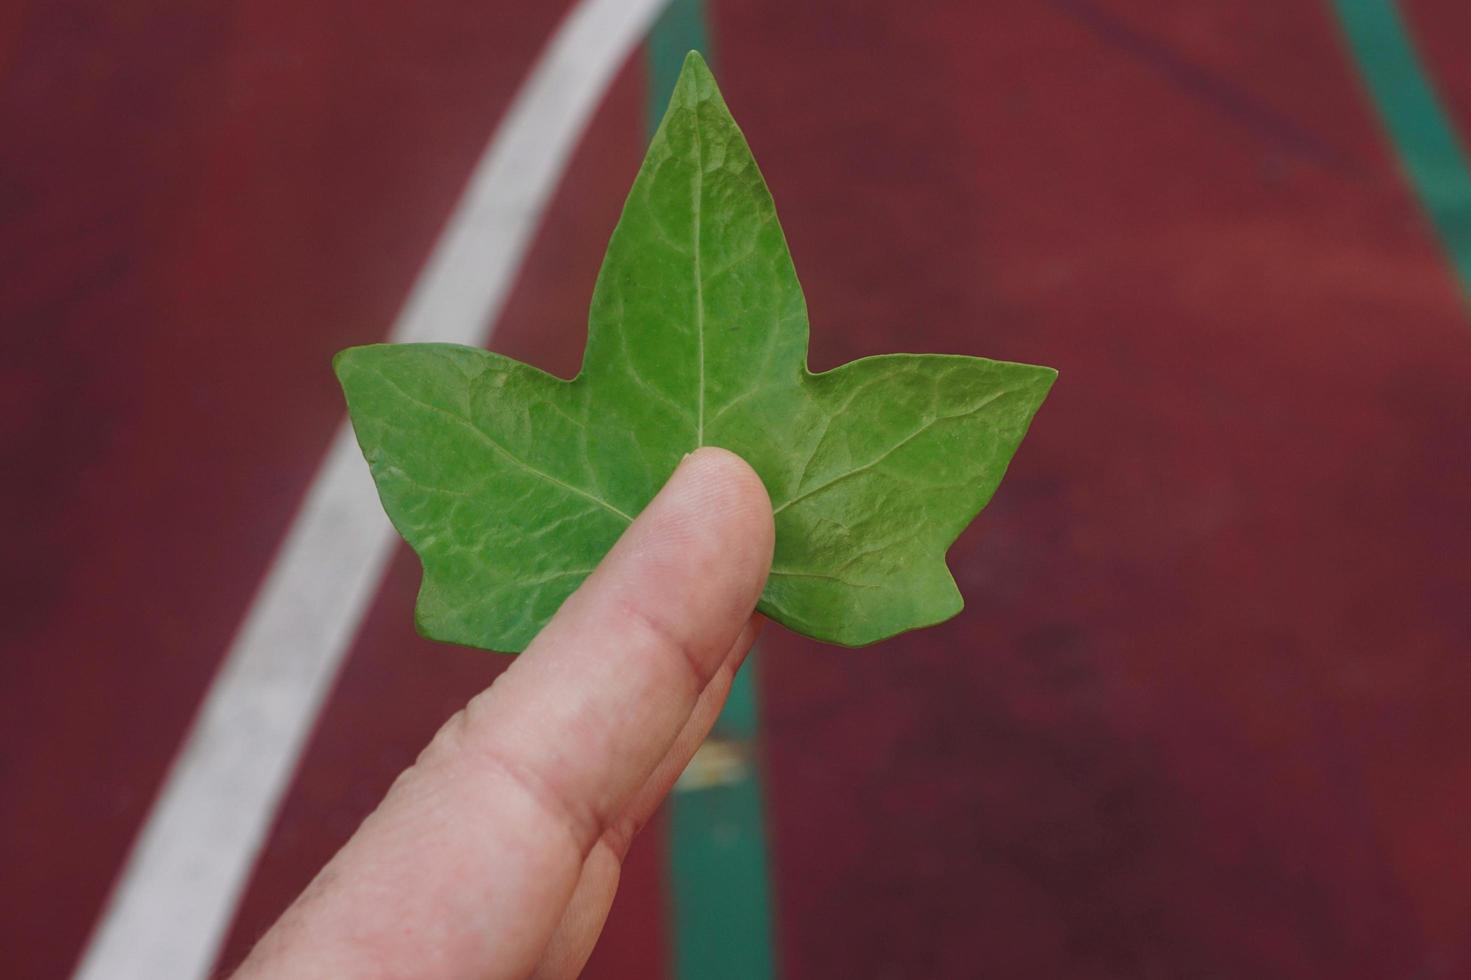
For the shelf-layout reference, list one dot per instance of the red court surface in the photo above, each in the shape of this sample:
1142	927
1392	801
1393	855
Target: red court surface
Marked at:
1204	714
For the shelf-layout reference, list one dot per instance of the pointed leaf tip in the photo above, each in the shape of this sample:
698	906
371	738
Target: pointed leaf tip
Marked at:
695	76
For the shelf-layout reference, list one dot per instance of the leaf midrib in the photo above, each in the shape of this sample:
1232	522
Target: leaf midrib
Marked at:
697	205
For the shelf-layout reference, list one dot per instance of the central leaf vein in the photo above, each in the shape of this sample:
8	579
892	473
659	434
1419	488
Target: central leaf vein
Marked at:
697	192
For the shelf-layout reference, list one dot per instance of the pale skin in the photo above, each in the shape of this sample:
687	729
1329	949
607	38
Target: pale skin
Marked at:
497	854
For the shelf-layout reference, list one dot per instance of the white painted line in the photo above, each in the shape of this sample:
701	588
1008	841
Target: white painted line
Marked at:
177	894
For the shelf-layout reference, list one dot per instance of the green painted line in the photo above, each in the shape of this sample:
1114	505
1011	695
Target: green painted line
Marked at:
717	863
1416	121
679	30
718	880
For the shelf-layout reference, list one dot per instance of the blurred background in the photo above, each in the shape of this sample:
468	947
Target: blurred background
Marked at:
1205	714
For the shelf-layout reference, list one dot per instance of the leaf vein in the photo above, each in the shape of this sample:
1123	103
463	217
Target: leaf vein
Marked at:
697	191
484	437
795	573
888	452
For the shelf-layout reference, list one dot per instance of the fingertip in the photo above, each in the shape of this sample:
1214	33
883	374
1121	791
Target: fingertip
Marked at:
690	569
729	501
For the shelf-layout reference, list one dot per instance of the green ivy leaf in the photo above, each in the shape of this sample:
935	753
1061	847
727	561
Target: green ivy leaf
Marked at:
511	484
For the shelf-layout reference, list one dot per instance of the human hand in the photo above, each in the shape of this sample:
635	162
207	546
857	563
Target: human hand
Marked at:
498	852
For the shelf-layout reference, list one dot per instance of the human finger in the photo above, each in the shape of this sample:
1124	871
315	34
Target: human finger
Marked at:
587	911
467	867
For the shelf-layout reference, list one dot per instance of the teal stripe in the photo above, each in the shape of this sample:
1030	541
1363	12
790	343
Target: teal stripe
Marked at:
718	878
1416	121
678	31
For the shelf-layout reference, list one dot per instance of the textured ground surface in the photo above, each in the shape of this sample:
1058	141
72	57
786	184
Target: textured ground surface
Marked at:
1204	715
